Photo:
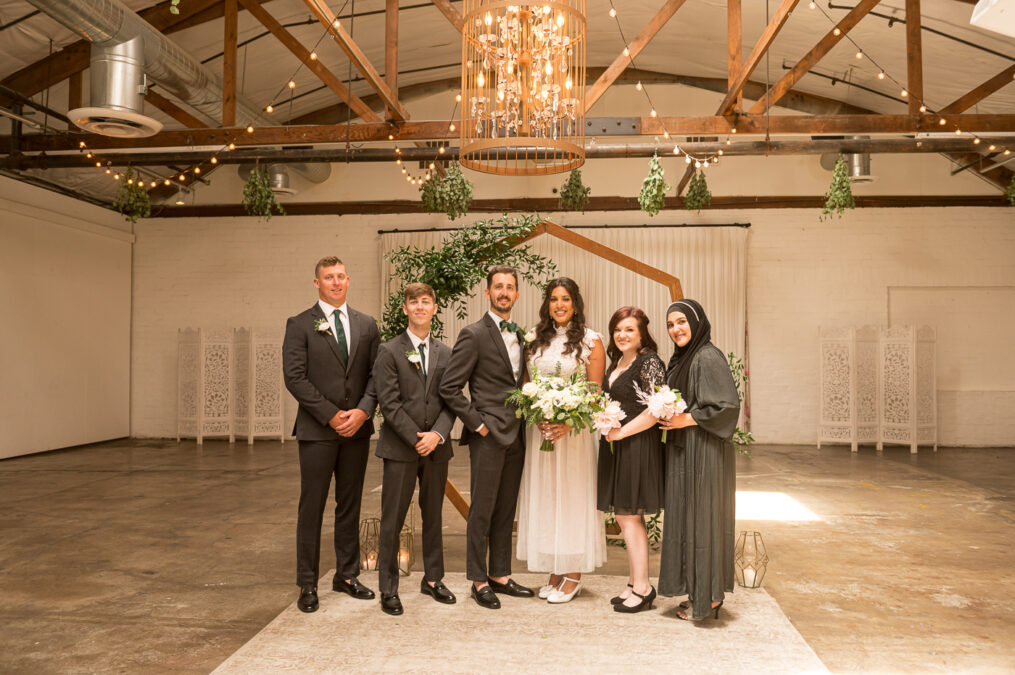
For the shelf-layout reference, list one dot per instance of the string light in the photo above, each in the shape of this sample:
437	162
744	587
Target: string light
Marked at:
812	5
638	86
859	54
214	160
232	146
313	56
923	108
197	169
292	84
269	109
613	13
250	129
836	32
904	93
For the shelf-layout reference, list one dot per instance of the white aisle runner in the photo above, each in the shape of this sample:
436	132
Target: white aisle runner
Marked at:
526	635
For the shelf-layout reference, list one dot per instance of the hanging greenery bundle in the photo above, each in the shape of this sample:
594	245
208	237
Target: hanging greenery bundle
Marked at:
698	195
132	199
574	195
454	267
840	193
1010	194
258	199
653	188
451	194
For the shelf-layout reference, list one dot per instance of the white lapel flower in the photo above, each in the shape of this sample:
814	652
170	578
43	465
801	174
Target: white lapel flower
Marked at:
529	336
321	325
413	356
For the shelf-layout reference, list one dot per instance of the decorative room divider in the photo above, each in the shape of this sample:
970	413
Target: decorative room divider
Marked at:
878	385
229	383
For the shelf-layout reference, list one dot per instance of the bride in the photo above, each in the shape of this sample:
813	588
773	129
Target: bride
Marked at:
559	529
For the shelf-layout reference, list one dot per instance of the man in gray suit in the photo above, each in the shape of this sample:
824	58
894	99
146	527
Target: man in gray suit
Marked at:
327	360
488	357
414	444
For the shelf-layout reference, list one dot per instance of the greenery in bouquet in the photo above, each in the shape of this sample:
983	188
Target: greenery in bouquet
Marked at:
558	400
457	265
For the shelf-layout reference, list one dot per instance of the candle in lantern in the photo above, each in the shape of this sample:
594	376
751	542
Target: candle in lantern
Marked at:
749	577
371	561
403	559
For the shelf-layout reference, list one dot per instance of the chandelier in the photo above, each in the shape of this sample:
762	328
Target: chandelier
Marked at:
523	78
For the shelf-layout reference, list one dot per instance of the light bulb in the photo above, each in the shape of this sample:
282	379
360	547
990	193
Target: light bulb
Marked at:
116	176
720	151
292	84
432	166
697	164
153	183
336	23
859	54
98	164
992	148
734	130
676	149
130	181
180	202
613	13
81	144
480	80
653	113
923	108
250	129
638	86
398	160
836	31
881	75
627	52
403	171
182	177
451	127
88	155
560	19
812	5
313	56
232	146
108	172
976	141
567	84
165	182
214	160
441	149
458	98
269	109
197	169
958	132
903	93
488	19
687	159
942	121
1007	152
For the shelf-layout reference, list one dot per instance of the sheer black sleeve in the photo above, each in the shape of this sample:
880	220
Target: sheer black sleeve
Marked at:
651	374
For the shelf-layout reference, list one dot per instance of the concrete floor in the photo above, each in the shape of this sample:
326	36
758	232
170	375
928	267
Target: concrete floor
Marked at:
161	557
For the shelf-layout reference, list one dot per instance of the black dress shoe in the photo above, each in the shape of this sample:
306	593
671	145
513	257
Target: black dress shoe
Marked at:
391	604
512	588
438	592
485	597
308	599
353	587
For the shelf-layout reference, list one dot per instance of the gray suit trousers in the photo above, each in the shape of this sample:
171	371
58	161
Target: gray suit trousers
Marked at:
495	478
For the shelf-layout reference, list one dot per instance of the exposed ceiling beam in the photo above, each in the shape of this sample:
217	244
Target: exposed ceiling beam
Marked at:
173	110
974	96
619	126
315	66
356	55
783	86
754	58
451	13
914	56
391	47
229	61
734	44
635	47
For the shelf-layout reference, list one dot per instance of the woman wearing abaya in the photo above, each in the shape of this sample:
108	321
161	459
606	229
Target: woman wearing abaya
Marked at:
700	492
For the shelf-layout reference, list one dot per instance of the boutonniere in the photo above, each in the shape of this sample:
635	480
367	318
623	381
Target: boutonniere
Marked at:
413	356
529	336
321	326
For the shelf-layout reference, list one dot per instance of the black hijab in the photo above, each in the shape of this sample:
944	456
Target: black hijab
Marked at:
679	368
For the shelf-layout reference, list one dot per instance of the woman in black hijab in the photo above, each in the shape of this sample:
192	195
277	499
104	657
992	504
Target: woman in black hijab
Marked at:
700	490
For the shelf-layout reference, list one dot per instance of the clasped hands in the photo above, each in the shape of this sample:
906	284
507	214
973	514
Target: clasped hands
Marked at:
553	432
347	422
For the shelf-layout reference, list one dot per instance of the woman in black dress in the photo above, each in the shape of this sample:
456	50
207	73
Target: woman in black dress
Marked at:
701	479
630	477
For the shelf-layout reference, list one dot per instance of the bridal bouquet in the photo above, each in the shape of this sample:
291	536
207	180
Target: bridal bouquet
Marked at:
608	416
663	403
558	400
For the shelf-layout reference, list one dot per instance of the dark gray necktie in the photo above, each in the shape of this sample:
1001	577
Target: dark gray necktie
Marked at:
343	346
422	359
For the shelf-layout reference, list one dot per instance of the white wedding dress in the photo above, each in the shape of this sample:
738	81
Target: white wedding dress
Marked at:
559	528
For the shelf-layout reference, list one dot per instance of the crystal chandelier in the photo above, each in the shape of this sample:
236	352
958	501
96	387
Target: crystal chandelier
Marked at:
523	78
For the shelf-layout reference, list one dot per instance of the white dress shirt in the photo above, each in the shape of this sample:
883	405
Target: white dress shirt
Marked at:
416	342
514	349
343	312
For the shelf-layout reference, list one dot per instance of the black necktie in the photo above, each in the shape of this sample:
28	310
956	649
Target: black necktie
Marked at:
343	346
422	359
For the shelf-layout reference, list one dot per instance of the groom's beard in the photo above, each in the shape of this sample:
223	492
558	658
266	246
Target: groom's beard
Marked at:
503	304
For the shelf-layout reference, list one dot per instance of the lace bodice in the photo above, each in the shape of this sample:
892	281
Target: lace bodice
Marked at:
547	359
646	372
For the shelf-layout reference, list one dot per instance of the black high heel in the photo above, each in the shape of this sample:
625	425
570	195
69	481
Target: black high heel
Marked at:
684	617
617	600
646	602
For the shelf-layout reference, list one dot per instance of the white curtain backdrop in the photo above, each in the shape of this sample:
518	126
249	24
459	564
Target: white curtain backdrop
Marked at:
711	263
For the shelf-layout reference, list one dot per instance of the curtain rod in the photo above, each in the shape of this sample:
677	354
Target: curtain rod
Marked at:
577	227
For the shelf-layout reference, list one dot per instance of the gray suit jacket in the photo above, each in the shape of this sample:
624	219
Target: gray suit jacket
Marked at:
318	379
481	360
407	405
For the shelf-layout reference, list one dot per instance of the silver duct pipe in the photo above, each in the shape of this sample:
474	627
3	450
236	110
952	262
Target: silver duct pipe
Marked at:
859	164
109	22
278	174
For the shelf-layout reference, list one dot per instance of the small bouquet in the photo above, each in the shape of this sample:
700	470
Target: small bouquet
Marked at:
557	400
663	403
608	416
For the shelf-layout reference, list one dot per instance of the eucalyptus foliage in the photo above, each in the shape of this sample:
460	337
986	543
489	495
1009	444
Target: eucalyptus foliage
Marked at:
840	193
574	195
653	189
1010	194
258	199
455	267
174	7
698	195
450	194
132	199
742	440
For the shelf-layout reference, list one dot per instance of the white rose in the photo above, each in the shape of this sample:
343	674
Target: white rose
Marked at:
530	389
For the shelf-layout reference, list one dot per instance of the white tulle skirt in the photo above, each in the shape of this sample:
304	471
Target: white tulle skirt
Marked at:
559	528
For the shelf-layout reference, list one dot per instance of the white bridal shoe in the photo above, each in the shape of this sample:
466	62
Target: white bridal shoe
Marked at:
557	596
544	591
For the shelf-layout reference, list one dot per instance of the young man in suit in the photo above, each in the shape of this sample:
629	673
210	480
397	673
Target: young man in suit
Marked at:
415	444
488	357
327	360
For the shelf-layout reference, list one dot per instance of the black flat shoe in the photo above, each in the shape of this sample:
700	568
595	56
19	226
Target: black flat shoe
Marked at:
353	587
438	592
617	600
485	597
512	588
308	599
391	604
646	602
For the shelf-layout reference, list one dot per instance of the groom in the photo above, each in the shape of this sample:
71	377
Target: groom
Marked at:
327	356
488	357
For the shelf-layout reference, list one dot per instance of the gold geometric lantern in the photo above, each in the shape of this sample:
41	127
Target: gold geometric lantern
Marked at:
405	552
369	541
523	79
750	559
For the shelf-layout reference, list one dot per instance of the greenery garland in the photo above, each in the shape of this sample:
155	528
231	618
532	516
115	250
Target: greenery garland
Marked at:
450	194
698	195
574	196
840	193
132	200
1010	194
455	267
258	199
653	188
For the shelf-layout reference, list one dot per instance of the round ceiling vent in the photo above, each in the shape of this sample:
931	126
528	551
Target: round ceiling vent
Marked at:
118	123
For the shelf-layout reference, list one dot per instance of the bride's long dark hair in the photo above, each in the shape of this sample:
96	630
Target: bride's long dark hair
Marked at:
546	329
